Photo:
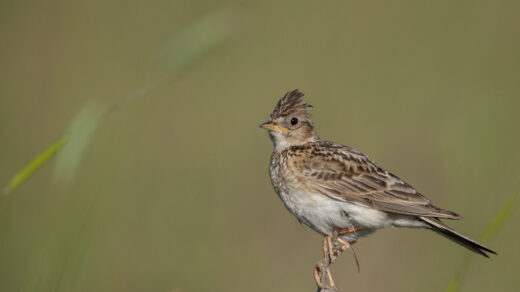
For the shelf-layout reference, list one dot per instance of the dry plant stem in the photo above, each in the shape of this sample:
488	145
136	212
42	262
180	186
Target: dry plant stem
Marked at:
331	280
318	268
331	251
322	275
328	290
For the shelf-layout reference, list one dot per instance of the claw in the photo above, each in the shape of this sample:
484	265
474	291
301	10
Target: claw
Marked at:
347	245
317	277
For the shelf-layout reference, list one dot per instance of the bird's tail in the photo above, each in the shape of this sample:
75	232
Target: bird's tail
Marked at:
456	237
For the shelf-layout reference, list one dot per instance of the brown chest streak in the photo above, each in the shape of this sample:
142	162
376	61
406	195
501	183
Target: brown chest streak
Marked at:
294	163
284	170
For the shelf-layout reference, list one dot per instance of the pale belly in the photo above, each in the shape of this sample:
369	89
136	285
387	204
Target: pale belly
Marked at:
325	215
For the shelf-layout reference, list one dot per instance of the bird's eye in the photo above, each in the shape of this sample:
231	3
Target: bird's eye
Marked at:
294	121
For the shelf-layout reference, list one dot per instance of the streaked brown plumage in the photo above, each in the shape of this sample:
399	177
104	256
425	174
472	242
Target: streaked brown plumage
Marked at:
339	191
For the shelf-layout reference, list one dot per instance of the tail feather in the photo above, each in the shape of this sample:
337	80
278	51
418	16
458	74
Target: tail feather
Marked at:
456	237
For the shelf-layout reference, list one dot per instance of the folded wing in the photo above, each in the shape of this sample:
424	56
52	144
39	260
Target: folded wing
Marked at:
346	174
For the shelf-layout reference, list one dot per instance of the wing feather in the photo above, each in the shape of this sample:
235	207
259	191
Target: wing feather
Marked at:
345	174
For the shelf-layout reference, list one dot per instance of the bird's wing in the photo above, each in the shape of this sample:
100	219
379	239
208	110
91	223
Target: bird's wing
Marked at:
343	173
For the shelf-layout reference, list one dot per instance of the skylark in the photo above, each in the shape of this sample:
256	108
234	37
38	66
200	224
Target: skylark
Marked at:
340	192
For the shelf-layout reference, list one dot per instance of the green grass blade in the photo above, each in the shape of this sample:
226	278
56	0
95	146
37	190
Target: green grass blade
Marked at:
185	48
26	172
500	218
453	286
79	132
196	40
492	228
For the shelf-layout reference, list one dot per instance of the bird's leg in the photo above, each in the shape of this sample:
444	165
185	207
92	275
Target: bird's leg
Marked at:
325	247
346	245
349	230
330	242
330	246
338	250
331	251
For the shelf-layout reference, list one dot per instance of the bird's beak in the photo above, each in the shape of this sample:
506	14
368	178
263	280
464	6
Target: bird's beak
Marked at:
272	127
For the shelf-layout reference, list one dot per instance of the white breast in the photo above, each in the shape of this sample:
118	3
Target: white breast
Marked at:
324	214
320	212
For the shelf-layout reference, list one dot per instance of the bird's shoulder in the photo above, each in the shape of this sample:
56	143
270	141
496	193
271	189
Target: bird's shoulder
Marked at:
327	157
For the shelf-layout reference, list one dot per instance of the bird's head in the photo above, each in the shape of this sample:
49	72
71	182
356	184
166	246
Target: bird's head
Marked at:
290	122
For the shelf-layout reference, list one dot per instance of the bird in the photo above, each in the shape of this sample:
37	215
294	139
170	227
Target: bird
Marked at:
340	192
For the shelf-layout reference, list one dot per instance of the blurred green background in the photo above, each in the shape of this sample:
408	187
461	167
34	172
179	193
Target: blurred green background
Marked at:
162	184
